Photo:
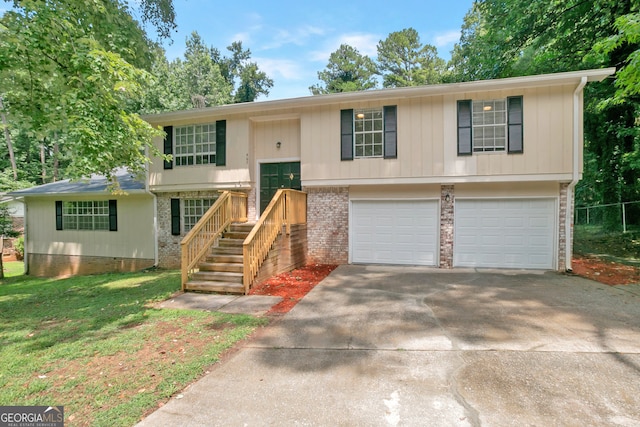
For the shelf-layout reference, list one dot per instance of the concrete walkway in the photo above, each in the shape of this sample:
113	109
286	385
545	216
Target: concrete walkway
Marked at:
398	346
256	305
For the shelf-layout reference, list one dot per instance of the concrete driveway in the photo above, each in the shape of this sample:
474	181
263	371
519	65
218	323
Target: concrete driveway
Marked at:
409	346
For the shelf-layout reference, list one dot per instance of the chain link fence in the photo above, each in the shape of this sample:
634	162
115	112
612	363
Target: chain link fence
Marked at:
614	217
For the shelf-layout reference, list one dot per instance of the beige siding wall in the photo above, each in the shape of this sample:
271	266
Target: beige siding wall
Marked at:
267	134
427	140
234	173
134	238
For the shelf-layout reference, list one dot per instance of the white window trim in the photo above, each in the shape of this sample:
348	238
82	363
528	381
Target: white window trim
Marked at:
192	146
364	111
96	206
484	149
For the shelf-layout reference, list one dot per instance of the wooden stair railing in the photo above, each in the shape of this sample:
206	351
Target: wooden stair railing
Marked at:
230	207
287	207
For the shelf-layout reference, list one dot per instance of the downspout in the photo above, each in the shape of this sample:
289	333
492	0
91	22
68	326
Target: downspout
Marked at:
156	258
568	227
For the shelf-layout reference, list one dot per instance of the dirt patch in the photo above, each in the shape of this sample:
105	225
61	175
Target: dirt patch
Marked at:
603	271
292	286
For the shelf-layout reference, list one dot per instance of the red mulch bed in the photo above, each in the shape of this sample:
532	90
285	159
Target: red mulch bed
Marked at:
607	272
292	286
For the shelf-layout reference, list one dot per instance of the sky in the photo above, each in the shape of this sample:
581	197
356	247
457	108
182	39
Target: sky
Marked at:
291	41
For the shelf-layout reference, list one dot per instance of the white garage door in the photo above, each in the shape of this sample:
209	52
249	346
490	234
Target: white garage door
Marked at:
394	232
504	233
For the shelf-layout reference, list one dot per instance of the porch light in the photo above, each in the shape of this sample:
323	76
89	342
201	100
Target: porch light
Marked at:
278	144
360	116
487	108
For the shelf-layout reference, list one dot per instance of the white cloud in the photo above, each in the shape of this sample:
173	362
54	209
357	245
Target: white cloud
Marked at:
297	36
446	39
365	43
286	68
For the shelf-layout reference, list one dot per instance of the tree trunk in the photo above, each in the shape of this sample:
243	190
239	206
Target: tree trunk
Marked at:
1	255
43	163
7	136
56	151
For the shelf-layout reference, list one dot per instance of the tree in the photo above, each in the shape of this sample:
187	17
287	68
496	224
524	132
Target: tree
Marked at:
347	71
404	61
517	37
78	69
6	230
204	78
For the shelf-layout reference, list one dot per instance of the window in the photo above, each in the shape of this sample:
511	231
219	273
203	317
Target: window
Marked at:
194	209
86	215
195	145
367	125
366	133
490	126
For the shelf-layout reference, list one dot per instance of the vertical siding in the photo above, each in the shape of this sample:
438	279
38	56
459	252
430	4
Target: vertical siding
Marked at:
235	171
266	134
134	238
427	139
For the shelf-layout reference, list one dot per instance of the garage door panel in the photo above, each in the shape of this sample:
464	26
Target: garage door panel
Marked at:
504	233
396	232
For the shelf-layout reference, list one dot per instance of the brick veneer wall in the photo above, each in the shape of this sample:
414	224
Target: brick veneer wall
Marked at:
446	225
565	238
169	245
328	224
45	265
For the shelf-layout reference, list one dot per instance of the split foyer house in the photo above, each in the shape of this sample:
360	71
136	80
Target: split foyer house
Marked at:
476	174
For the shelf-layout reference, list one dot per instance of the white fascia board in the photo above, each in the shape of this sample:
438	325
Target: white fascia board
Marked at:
168	188
572	77
437	180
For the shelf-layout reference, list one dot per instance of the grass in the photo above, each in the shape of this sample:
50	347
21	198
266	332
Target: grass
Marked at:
13	268
97	346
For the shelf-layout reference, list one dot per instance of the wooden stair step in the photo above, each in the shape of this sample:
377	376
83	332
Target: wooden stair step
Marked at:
235	235
215	276
225	258
226	250
206	286
221	267
224	242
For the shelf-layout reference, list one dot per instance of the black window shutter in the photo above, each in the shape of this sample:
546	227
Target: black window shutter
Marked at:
168	146
346	134
175	217
113	215
58	215
514	120
221	143
390	132
465	146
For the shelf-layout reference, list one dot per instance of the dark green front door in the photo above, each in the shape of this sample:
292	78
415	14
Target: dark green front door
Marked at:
274	176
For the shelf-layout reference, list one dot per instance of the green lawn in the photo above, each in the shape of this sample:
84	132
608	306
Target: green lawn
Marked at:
97	346
13	268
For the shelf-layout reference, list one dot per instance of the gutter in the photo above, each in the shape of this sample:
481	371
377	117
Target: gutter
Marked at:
568	227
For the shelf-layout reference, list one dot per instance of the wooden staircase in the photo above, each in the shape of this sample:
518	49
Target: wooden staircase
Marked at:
222	269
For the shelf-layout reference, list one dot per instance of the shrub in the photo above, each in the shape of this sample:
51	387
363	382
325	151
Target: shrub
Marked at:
18	246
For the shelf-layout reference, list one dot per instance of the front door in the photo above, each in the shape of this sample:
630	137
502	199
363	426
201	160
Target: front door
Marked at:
274	176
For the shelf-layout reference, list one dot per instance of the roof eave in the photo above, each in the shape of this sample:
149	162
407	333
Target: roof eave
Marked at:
382	94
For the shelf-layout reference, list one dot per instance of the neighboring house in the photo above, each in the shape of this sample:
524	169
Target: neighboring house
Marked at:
81	228
16	211
476	174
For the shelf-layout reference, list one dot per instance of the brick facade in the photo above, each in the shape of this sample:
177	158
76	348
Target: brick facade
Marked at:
169	245
328	224
565	237
447	194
